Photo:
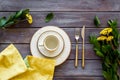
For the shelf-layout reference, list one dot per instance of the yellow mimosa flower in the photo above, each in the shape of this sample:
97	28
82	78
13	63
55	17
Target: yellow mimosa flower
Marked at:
109	38
101	38
106	31
29	18
110	30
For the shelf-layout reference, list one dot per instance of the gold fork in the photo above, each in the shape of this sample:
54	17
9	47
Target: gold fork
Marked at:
77	36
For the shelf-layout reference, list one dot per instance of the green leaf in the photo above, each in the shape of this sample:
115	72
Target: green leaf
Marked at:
26	11
105	48
9	23
98	53
119	55
106	75
3	21
49	17
14	18
97	21
119	36
26	62
115	67
10	18
115	32
18	14
92	39
116	44
112	23
107	62
116	77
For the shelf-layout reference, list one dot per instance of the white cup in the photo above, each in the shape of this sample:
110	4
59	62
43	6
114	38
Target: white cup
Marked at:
51	43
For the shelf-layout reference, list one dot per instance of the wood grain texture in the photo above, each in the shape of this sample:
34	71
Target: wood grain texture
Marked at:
60	5
78	78
24	49
92	68
24	35
68	19
68	15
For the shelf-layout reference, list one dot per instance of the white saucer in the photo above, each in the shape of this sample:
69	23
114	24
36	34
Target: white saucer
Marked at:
46	52
67	44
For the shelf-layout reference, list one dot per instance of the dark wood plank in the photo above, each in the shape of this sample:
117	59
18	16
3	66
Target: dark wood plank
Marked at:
89	53
24	35
24	49
92	68
68	19
16	35
60	5
78	78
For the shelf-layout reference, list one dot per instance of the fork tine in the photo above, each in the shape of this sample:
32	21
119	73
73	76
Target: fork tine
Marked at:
77	33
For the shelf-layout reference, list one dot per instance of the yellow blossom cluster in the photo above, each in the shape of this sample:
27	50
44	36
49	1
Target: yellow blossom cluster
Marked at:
29	18
102	38
106	31
105	35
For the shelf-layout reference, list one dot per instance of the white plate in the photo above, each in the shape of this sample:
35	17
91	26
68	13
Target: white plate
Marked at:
67	44
46	52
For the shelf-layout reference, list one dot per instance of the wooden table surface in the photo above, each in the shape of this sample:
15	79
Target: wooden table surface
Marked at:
68	15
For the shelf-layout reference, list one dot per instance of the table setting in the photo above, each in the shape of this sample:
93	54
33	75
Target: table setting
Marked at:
59	40
64	45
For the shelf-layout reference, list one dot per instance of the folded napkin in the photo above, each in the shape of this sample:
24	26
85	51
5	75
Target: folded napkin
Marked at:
39	69
12	66
11	63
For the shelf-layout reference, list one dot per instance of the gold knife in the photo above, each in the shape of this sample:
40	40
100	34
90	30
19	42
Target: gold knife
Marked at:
83	38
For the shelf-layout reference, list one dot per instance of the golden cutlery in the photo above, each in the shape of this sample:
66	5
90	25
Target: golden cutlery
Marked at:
77	36
83	54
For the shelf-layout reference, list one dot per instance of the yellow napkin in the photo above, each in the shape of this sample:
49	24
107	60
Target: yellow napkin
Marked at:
11	63
12	66
40	69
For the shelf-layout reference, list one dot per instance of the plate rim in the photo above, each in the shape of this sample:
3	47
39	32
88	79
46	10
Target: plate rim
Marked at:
70	46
